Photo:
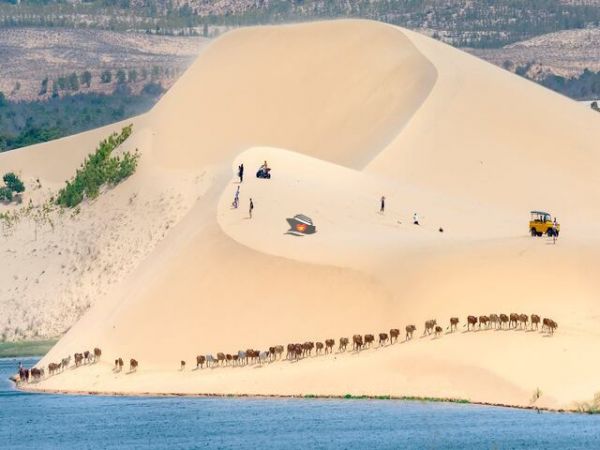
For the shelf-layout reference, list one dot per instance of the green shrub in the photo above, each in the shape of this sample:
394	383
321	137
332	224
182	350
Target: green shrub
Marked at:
6	194
98	169
13	182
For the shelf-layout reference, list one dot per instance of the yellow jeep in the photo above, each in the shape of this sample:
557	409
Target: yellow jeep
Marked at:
541	223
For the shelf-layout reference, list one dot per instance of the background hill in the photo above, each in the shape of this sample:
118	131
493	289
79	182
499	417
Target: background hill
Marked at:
80	65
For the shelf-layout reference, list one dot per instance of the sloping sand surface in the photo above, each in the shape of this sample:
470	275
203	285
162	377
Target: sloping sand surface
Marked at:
345	112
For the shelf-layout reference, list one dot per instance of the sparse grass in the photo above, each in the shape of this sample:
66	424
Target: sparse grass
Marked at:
25	348
406	398
592	407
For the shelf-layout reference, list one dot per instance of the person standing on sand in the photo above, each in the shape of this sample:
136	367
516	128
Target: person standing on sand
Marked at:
251	208
382	207
236	198
241	172
415	219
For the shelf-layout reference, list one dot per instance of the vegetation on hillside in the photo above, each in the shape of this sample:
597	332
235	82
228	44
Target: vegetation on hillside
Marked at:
479	23
25	348
586	86
98	170
27	123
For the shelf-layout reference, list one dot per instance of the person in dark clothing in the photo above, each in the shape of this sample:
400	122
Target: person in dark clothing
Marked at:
241	172
251	208
382	208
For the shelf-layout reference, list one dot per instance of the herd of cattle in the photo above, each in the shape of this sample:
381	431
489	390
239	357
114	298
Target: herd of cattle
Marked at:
297	351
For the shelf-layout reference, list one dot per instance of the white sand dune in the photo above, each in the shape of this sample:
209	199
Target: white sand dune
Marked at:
345	112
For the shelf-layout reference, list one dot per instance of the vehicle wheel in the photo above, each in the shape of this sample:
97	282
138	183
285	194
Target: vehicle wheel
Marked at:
533	232
540	234
549	233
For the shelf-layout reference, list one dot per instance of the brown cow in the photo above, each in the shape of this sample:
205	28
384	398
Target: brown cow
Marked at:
37	374
453	323
514	320
88	356
200	360
97	354
485	321
410	329
290	351
343	344
182	365
438	330
394	333
429	326
278	351
133	365
221	358
120	363
299	351
307	348
523	319
503	320
357	342
494	320
329	343
52	368
369	339
319	347
535	321
550	325
383	338
471	321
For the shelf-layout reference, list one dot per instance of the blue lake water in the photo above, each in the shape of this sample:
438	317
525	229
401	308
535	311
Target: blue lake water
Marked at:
34	421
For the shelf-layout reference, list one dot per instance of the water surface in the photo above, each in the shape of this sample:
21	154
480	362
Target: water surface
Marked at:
32	421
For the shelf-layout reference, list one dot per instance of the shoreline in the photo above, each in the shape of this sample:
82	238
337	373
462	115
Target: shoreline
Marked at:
406	398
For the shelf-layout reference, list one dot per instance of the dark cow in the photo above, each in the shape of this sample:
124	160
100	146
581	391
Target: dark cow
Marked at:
343	344
383	338
410	329
535	321
453	323
329	343
471	322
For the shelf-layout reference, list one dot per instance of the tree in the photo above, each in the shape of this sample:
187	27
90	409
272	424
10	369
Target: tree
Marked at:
62	83
13	182
86	78
73	82
132	76
155	72
44	87
106	76
121	77
54	89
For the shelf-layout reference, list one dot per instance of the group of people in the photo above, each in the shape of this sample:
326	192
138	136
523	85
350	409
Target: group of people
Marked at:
236	198
382	210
